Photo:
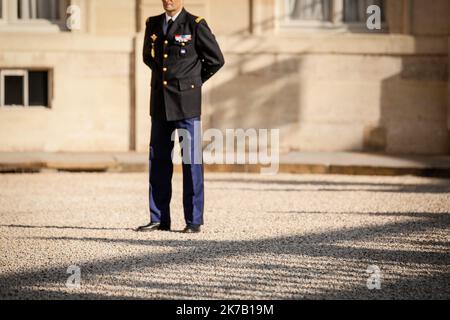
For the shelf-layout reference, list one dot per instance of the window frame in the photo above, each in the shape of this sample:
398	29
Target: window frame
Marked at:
11	22
24	73
336	22
14	72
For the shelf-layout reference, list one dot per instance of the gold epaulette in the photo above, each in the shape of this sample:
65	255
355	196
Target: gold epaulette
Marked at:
198	20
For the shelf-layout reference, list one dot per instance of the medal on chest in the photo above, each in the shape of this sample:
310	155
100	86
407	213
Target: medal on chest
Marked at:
183	38
153	37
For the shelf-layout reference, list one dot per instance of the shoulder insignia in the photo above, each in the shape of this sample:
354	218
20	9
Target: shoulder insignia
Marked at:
198	20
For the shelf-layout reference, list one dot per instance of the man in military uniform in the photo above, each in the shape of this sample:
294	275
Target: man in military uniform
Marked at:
183	54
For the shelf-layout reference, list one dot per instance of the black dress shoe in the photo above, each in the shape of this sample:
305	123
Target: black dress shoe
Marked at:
192	229
153	227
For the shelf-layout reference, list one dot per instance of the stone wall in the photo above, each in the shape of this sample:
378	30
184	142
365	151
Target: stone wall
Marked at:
326	91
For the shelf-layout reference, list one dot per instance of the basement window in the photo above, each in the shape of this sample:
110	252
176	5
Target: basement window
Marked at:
24	88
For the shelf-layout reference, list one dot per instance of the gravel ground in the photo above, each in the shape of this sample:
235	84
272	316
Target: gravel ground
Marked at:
266	237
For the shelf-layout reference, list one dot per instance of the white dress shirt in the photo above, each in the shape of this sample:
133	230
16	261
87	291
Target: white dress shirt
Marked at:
166	21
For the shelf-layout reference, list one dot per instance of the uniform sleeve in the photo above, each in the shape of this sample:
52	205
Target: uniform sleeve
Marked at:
208	50
146	54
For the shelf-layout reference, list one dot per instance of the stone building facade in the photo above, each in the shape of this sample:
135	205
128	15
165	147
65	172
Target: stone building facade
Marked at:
311	68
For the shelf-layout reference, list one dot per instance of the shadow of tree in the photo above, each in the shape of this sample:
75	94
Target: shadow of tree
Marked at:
248	90
334	267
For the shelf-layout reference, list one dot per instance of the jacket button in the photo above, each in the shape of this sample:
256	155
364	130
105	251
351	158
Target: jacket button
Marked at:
165	83
166	56
165	69
192	86
166	42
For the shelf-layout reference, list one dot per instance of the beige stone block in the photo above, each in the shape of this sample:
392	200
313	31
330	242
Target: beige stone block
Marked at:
431	18
347	68
142	98
315	136
344	43
115	17
237	13
404	100
340	101
418	137
90	102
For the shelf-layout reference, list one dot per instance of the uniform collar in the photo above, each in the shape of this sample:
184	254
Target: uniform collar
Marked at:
174	17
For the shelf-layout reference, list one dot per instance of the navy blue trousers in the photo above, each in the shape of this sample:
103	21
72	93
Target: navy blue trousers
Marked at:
161	171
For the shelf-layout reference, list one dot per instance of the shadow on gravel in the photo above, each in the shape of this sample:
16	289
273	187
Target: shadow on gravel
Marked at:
19	226
441	186
334	268
425	215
